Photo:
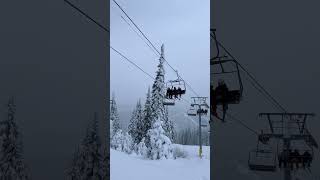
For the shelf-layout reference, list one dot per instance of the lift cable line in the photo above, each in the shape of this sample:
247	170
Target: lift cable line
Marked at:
107	30
132	62
262	93
87	16
242	123
136	27
143	34
152	49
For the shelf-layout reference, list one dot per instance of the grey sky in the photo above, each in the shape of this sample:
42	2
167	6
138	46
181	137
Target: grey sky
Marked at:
278	41
182	26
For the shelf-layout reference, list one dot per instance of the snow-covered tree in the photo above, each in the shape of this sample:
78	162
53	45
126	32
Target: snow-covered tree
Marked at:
141	148
168	126
158	91
160	145
127	143
87	162
106	164
116	141
74	172
114	116
136	124
147	117
122	142
159	111
12	166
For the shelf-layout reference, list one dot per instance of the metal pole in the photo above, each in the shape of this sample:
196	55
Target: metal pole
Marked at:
200	143
287	171
286	143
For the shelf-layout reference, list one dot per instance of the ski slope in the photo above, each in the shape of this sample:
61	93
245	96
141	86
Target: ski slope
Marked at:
133	167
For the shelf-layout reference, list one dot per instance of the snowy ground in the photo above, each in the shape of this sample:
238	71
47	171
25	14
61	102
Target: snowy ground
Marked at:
133	167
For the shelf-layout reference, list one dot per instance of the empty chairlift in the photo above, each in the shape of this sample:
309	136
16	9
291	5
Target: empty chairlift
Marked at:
262	158
192	111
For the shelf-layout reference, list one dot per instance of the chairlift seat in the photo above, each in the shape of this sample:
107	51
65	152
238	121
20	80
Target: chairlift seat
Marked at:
262	160
192	114
169	103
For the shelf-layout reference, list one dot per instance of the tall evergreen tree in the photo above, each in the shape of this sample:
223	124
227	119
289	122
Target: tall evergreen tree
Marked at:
158	91
88	161
136	124
114	116
158	96
147	117
12	164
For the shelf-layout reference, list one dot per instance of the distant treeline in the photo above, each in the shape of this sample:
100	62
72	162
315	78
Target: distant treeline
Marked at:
190	136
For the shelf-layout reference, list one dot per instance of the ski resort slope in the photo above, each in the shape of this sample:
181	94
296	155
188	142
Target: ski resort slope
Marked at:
125	166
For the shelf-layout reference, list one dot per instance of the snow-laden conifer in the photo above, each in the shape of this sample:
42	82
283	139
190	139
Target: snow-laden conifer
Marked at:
12	165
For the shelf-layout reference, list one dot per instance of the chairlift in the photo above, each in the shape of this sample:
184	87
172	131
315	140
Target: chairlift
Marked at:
192	111
222	95
202	111
175	88
296	156
169	102
262	159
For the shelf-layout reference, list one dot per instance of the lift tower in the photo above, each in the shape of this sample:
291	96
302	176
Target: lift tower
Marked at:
286	127
201	103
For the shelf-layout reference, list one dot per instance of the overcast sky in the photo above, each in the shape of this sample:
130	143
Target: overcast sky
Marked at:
182	26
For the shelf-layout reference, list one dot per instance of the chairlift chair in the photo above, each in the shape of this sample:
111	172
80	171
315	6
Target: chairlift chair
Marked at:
232	96
192	111
262	160
177	83
298	160
169	102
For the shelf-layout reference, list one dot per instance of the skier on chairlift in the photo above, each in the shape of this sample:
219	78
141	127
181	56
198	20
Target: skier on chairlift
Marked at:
221	96
306	159
296	157
168	92
179	92
175	92
213	103
282	159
